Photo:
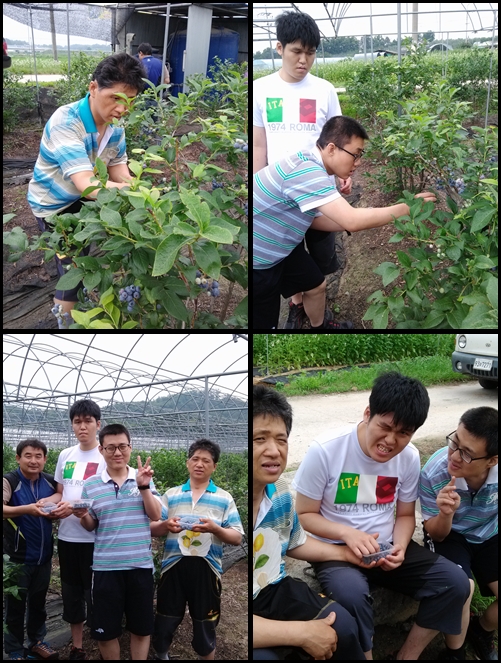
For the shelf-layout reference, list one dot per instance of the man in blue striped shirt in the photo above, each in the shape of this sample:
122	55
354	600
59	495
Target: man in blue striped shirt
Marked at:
458	489
287	195
191	565
73	138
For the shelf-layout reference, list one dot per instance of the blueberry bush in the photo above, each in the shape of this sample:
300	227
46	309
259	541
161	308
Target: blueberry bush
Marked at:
449	280
166	240
420	115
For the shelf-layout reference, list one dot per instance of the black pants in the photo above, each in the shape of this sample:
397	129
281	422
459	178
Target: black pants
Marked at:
292	600
440	585
33	583
65	295
192	581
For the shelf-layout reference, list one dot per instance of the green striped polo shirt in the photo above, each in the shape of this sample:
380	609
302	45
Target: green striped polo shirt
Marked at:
123	538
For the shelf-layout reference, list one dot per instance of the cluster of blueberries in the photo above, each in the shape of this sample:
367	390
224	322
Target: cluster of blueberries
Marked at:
86	292
212	289
129	294
64	320
217	185
458	183
240	144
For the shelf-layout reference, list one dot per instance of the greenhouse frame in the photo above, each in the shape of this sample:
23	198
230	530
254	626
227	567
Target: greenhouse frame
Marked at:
162	408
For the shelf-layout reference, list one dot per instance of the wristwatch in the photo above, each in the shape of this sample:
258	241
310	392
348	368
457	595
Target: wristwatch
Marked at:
143	487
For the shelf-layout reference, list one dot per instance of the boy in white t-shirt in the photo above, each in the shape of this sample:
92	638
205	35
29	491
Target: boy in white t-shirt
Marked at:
76	544
291	107
350	483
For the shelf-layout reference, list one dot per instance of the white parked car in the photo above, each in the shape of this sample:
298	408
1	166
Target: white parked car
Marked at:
477	354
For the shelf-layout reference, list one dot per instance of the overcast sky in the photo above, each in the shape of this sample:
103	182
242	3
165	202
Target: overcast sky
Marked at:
51	370
14	30
353	22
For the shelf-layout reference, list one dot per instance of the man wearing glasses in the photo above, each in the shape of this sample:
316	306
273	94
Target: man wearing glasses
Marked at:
458	490
287	196
124	500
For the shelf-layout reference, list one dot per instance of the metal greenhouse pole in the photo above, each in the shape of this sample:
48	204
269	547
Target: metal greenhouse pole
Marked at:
494	26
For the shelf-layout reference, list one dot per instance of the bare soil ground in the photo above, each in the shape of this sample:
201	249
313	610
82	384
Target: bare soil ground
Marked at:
231	635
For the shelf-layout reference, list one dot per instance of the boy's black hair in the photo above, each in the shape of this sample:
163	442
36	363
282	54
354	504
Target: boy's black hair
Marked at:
405	397
482	422
266	401
294	26
145	48
85	408
32	442
208	445
112	429
120	68
340	130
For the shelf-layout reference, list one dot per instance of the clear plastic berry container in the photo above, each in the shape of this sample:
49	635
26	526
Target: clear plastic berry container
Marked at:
187	522
81	504
47	508
385	549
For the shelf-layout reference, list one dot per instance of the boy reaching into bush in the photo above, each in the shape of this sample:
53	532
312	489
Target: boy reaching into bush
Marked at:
287	195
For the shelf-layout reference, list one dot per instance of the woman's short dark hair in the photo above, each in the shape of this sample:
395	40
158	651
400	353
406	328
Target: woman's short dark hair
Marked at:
208	445
294	26
120	68
340	130
267	401
405	397
482	423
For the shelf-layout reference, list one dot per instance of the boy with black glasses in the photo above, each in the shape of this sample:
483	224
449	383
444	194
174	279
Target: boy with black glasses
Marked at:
287	196
124	500
458	490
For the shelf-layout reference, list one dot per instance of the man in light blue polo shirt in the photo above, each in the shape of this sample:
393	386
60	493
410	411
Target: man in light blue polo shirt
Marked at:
458	489
198	517
73	138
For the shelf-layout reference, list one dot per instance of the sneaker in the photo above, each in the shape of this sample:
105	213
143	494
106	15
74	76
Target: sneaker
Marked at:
297	316
77	654
449	655
42	650
16	656
481	641
330	324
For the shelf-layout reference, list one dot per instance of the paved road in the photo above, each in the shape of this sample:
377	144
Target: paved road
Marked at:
314	414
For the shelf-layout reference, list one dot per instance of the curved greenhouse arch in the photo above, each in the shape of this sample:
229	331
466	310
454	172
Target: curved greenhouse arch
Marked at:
167	389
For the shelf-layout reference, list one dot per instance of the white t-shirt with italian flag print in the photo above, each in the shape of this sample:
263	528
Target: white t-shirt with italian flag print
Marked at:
293	114
356	490
73	467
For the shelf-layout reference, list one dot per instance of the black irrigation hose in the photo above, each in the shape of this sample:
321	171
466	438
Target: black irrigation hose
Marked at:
285	379
19	163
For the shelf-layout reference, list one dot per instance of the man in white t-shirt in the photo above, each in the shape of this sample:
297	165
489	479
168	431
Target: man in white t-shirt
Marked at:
291	107
76	544
364	478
